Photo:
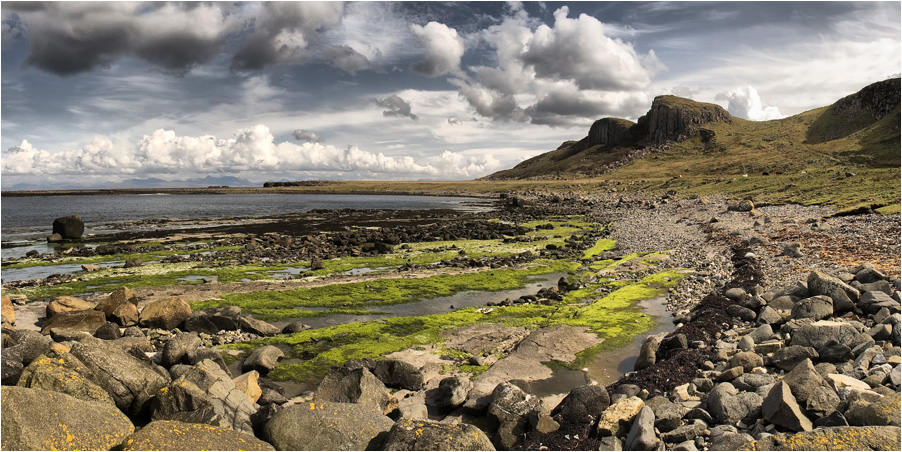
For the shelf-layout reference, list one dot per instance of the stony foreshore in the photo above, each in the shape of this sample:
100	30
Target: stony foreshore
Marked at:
788	337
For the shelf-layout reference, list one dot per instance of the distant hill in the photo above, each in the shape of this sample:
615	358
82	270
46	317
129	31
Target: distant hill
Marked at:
148	183
680	137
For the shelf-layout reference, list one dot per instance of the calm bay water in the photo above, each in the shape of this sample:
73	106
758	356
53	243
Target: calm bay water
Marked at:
30	218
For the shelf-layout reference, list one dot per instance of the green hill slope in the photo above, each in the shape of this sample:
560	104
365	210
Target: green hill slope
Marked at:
846	154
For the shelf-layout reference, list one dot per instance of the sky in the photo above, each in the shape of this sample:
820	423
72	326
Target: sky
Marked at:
94	94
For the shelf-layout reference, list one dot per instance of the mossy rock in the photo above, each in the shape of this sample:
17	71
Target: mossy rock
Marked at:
835	438
174	435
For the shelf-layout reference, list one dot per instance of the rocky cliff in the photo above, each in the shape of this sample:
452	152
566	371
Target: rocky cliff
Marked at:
878	99
610	131
673	118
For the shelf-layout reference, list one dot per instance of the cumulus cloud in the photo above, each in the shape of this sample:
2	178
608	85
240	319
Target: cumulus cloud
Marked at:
578	50
567	74
444	49
307	135
66	38
744	102
395	106
346	59
283	31
249	150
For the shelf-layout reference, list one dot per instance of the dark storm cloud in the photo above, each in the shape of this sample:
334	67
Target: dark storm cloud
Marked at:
67	38
283	31
395	106
346	59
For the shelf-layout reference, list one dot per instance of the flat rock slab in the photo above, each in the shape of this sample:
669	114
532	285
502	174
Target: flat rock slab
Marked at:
558	343
485	339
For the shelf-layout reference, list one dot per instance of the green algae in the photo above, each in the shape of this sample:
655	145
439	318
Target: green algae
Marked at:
600	246
614	317
382	292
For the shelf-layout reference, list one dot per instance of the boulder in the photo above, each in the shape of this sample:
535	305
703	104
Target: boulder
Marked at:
727	405
413	411
884	411
214	320
844	296
130	381
11	366
258	327
410	434
768	315
87	321
642	432
121	307
683	433
29	345
788	357
874	298
839	381
820	333
65	374
647	353
806	383
204	394
453	391
616	419
835	353
178	347
762	333
399	374
507	414
355	386
7	309
248	383
833	438
781	408
109	331
818	307
295	327
69	227
752	381
175	435
263	359
166	313
327	426
52	238
668	415
582	402
746	360
35	419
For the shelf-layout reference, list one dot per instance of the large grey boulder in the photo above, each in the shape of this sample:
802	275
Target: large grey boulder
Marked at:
65	374
818	307
399	374
746	360
69	227
178	347
355	386
728	406
820	333
844	296
213	320
616	419
871	302
263	359
131	382
781	408
582	402
788	357
811	390
453	391
642	432
327	426
507	414
204	394
175	435
409	434
35	419
258	327
166	313
87	321
883	411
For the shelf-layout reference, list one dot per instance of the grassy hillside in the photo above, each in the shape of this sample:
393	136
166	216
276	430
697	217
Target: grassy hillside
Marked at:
843	158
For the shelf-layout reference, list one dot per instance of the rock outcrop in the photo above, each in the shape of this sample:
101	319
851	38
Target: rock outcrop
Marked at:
610	131
70	227
673	118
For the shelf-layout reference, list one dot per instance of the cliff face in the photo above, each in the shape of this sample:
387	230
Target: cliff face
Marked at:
674	118
878	99
609	131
